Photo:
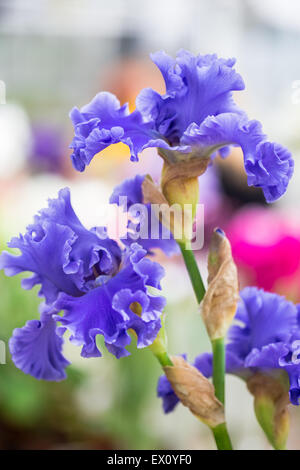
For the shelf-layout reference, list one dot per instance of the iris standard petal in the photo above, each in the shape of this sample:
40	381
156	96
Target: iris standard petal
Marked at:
60	252
104	122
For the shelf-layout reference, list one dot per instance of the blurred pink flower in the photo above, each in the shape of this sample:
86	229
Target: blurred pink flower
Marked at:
266	248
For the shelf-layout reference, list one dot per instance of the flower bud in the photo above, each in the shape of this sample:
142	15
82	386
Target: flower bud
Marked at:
175	217
179	184
220	301
179	181
195	391
270	403
179	188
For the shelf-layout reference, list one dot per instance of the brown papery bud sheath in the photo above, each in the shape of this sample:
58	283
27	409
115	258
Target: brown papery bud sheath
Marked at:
220	301
195	391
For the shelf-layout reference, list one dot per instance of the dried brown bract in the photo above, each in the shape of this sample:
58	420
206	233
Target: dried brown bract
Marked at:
195	391
220	301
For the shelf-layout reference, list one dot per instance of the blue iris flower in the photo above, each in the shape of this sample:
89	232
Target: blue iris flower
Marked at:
101	288
193	119
265	337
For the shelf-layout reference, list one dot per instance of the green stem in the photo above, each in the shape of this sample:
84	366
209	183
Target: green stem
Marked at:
193	270
220	432
164	359
222	437
219	368
159	347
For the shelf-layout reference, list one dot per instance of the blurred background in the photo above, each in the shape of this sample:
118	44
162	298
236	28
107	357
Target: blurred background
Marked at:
60	53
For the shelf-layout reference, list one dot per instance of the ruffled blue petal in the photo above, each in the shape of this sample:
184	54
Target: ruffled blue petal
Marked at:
294	391
129	196
88	251
266	358
147	323
91	315
104	122
60	252
108	309
129	192
196	87
45	257
271	168
138	270
275	357
298	314
290	362
263	318
268	165
36	349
